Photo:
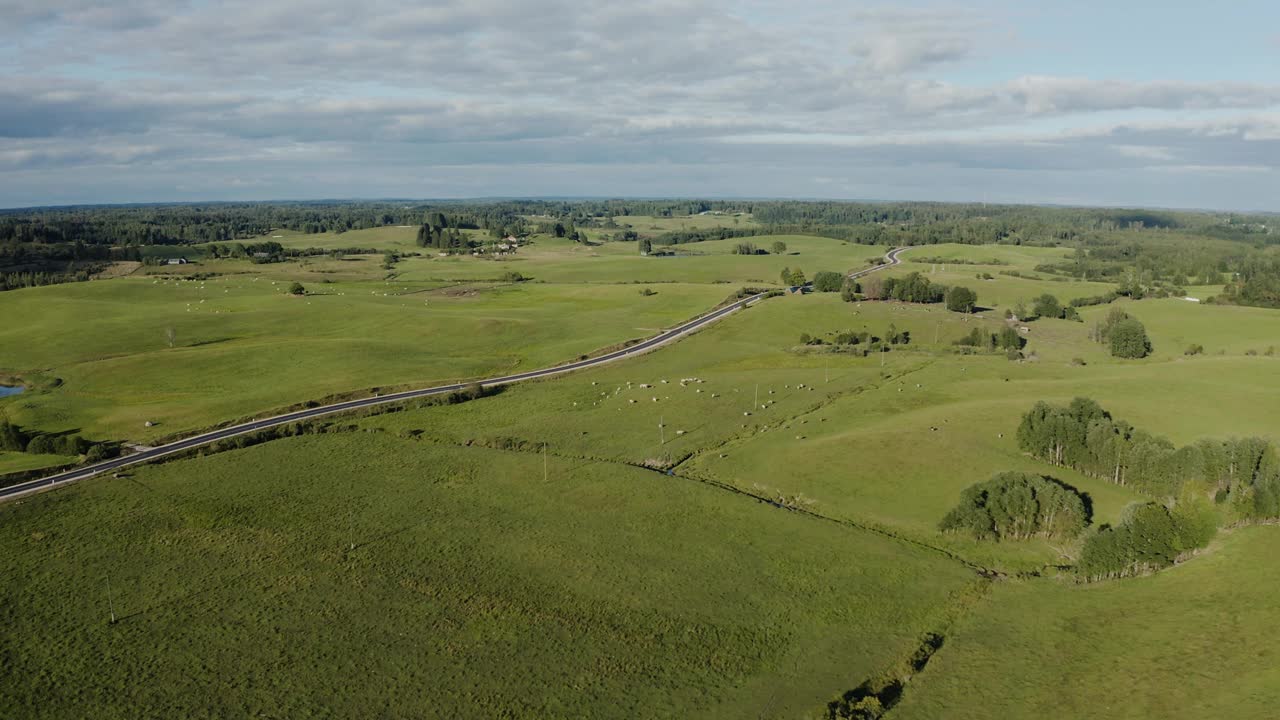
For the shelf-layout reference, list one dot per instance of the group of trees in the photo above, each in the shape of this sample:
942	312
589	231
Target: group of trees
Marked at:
1151	536
828	281
437	233
893	336
1007	339
1194	488
916	288
1018	505
260	252
14	439
1123	334
794	278
1243	472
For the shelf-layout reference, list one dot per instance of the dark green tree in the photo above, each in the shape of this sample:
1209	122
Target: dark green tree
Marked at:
961	299
827	281
1128	339
1047	306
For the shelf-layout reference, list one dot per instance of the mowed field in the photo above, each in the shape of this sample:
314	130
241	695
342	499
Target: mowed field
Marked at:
733	526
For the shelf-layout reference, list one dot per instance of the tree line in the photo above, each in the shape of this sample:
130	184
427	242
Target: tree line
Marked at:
15	439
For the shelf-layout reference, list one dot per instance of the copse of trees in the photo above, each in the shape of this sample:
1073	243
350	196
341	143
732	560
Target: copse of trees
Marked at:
1241	472
791	277
1124	335
1006	339
1017	506
746	248
828	281
847	338
438	233
1150	537
1128	339
912	287
14	439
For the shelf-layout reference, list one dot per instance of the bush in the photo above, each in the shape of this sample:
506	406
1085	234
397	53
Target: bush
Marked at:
1194	350
1016	505
297	289
513	277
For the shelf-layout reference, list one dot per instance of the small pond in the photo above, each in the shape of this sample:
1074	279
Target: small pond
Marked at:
7	390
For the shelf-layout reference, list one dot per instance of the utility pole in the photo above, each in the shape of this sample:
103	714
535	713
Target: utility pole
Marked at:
110	604
662	431
544	461
757	405
936	327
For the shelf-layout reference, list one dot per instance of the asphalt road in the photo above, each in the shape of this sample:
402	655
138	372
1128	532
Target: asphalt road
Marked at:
88	471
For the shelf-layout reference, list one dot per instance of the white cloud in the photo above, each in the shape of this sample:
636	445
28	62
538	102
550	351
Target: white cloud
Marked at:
179	87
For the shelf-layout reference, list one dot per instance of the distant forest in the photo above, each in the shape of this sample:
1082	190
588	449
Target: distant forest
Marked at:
1134	248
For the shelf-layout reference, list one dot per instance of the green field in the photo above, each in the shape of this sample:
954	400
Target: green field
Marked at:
476	588
1193	641
735	525
243	345
552	260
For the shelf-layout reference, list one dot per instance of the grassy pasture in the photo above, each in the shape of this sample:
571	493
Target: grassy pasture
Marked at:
1191	642
478	588
475	589
243	345
858	442
562	261
1006	257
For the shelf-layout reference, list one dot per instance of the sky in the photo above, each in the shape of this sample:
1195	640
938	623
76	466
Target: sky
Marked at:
1137	103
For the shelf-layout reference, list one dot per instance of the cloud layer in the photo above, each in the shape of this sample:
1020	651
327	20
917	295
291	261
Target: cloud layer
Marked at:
293	98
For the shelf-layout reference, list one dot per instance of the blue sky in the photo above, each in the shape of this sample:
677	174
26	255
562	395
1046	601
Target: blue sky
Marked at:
1134	103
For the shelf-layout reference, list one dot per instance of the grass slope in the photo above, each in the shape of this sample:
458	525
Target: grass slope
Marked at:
1191	642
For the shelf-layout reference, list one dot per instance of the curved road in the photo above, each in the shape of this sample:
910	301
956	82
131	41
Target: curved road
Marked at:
88	471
